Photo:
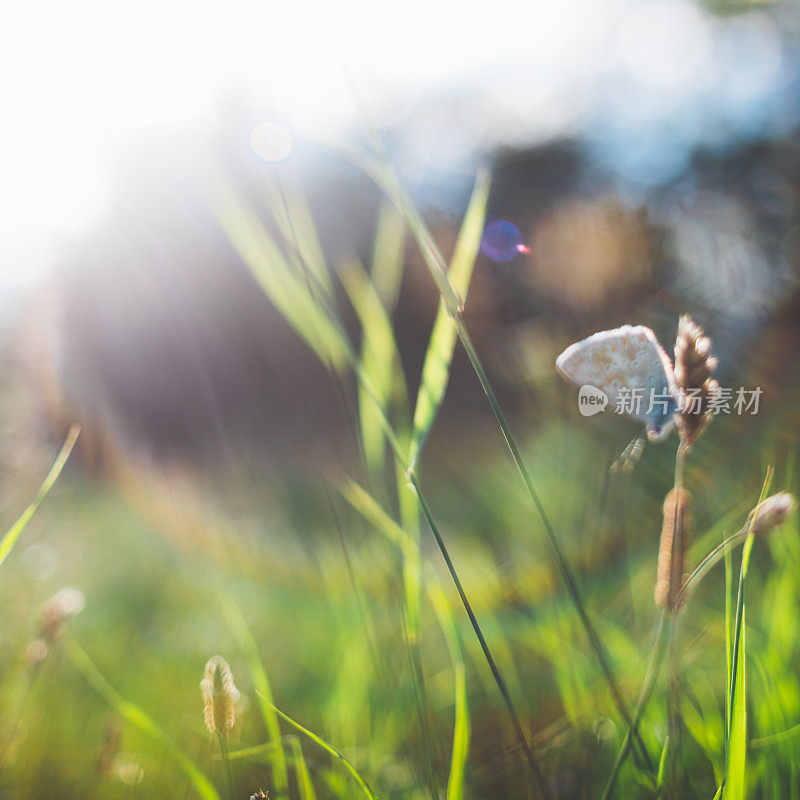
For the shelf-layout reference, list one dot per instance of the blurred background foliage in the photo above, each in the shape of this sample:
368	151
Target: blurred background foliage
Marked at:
647	153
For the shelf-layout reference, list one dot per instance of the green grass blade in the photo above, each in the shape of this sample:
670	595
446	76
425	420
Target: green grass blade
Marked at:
137	717
437	267
441	346
10	538
662	765
373	512
728	638
263	752
286	287
385	178
253	753
305	787
388	255
653	667
247	644
292	214
775	738
737	740
311	314
461	726
380	362
369	508
533	762
330	749
736	750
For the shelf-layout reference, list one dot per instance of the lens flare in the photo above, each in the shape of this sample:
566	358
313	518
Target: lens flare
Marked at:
502	241
270	142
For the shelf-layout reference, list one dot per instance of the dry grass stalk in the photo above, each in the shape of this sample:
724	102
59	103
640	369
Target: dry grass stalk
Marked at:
674	541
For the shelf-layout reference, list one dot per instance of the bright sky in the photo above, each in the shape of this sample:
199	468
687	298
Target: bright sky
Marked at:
79	80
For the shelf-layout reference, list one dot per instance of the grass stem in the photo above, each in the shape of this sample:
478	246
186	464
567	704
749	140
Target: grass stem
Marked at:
673	698
644	696
498	678
223	749
564	568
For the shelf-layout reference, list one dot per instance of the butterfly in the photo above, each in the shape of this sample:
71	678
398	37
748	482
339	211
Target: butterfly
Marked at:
626	363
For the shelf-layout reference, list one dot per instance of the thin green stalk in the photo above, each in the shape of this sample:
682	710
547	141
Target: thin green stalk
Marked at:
710	561
10	538
137	717
330	749
736	728
454	306
223	748
370	509
564	568
258	673
501	684
305	787
775	738
748	545
22	697
438	269
410	574
648	685
461	729
420	695
662	767
378	395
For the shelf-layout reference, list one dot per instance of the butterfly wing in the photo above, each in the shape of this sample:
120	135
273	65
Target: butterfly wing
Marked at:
620	361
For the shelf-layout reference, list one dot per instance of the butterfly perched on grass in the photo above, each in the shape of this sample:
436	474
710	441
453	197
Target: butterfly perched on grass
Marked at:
627	364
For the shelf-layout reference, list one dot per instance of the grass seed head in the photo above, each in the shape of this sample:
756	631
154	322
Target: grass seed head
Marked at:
58	610
37	652
770	514
694	365
219	696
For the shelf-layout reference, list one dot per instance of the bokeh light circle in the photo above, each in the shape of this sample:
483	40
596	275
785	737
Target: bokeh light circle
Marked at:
270	142
502	241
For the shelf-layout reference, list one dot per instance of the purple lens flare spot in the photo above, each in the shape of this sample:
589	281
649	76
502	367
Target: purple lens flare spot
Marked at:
502	241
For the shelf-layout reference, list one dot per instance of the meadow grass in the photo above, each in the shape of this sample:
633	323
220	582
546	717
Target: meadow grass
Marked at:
509	673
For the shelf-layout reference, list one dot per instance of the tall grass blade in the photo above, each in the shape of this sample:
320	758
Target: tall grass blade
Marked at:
372	511
736	761
253	753
441	346
330	749
461	728
247	644
10	538
293	216
284	286
437	267
737	739
662	765
137	717
653	666
533	762
388	255
305	787
380	361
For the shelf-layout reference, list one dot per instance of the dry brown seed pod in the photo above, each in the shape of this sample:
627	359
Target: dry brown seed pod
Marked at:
672	549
